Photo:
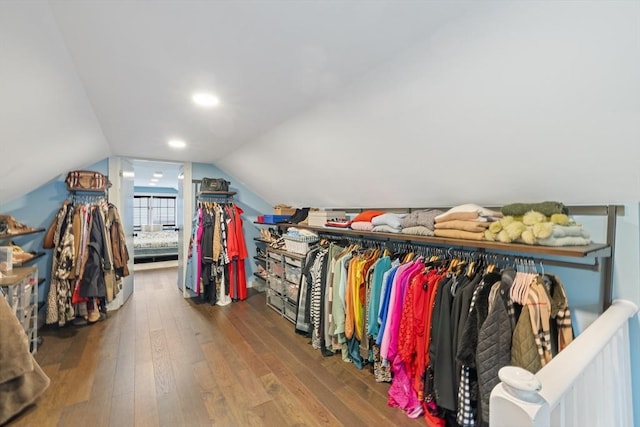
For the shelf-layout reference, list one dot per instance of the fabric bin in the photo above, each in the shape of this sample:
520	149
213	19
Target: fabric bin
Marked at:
275	268
320	218
293	261
276	285
275	256
292	273
6	258
274	300
290	311
292	291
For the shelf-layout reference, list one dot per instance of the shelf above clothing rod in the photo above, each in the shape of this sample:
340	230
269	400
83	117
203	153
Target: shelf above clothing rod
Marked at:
595	249
216	194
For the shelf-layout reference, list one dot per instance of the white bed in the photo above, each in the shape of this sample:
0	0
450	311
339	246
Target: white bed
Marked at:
155	244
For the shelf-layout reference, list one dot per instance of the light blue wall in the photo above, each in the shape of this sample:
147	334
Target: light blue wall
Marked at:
38	209
627	286
248	201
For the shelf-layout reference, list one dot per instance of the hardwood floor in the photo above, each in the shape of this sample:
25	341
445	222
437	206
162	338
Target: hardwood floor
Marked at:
164	361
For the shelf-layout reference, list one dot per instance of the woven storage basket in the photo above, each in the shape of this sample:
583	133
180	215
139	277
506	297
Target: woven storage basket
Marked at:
298	245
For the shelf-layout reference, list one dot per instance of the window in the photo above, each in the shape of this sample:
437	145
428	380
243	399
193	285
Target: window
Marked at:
154	210
140	211
164	210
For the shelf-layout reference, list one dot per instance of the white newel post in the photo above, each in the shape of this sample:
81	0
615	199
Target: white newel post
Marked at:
516	402
587	384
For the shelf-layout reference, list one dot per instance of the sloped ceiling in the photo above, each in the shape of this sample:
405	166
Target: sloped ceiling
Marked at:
47	124
267	61
531	101
333	103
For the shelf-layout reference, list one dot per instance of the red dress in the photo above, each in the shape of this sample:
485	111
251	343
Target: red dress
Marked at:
237	251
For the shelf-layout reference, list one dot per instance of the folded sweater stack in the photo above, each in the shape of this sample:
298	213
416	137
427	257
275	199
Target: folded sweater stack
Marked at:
362	221
468	221
388	223
545	223
420	223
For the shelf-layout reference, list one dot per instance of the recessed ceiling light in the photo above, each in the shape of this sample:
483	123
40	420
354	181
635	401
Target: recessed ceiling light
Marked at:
152	183
157	174
177	143
154	179
181	175
204	99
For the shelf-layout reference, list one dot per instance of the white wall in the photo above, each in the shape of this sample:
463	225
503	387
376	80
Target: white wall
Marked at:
47	125
532	101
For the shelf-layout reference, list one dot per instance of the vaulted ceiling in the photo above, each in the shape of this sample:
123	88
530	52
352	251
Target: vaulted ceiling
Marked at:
310	89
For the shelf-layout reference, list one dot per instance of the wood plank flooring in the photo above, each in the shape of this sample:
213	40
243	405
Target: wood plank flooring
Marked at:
164	361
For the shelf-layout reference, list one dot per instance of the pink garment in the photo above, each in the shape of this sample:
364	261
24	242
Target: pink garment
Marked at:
401	393
199	260
412	272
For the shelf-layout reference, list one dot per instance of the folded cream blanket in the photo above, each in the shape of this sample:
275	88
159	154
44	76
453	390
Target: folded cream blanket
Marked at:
569	231
469	211
385	229
458	234
418	230
458	224
564	241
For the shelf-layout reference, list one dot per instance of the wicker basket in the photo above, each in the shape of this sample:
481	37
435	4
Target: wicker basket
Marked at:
298	245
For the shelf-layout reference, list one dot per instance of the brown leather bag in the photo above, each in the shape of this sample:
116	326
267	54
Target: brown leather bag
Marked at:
83	180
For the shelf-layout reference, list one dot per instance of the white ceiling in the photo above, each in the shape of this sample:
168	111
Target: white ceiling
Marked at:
305	84
267	60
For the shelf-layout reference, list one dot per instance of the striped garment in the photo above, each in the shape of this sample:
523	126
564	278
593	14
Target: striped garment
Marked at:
224	225
559	310
316	298
466	412
540	314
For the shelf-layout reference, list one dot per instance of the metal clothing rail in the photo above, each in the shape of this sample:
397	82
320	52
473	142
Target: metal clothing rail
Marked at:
595	257
88	196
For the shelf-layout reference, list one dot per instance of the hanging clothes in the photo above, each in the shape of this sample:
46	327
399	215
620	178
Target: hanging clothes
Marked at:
217	254
437	330
93	283
89	260
237	253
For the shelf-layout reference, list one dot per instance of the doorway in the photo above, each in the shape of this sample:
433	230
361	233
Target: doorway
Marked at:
156	213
